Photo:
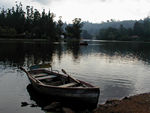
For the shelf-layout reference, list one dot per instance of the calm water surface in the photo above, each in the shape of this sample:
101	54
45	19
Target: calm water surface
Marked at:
118	68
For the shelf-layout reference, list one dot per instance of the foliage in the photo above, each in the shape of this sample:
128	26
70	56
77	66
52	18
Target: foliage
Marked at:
140	31
34	24
5	31
74	30
94	28
85	34
59	28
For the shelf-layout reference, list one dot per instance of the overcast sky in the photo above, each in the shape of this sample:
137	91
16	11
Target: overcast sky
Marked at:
90	10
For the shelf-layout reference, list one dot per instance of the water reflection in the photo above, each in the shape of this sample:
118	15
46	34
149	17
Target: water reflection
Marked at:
138	51
74	48
119	69
19	53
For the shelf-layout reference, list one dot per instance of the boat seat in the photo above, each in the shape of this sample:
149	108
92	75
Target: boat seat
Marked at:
56	83
46	77
79	87
68	85
40	75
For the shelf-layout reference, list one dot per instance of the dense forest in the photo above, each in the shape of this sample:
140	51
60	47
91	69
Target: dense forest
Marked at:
93	28
140	32
16	22
33	24
129	30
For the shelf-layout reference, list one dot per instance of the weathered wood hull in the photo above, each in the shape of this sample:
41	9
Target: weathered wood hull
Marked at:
87	94
90	95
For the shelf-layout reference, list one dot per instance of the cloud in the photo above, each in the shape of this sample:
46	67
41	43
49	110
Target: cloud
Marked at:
6	4
47	2
44	2
104	0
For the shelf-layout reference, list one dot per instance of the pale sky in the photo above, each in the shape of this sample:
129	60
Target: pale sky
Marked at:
94	11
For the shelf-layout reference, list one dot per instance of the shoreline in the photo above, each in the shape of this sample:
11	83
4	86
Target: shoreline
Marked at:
139	103
23	40
46	40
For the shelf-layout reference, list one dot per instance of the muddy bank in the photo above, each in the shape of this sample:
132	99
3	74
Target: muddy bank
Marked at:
134	104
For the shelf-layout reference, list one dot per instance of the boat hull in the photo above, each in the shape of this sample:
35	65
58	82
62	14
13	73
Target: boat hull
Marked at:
85	92
89	95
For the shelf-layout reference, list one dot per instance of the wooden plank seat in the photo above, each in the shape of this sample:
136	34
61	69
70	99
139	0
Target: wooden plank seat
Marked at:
46	77
56	83
79	86
40	74
68	85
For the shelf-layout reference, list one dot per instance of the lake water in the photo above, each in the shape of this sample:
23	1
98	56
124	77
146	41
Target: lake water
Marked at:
119	68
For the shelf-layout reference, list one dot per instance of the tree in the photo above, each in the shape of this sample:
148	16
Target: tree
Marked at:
33	24
18	18
146	27
85	34
59	28
109	34
74	30
138	29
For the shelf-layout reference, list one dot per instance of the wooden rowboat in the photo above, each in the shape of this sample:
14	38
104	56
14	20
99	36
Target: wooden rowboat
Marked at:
62	85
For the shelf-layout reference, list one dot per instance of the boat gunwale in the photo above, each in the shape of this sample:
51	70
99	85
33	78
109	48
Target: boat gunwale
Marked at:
36	81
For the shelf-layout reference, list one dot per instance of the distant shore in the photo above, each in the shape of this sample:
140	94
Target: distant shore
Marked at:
27	40
133	104
22	40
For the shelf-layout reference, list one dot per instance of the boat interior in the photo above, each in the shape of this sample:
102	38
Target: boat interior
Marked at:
54	79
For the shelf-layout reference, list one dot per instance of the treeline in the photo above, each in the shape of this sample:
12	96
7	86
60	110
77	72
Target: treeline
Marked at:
139	32
33	24
94	28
